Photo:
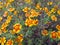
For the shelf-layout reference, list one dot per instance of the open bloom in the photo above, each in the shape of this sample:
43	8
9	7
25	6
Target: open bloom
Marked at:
2	40
58	27
58	34
58	12
17	27
54	18
19	38
26	9
9	42
30	22
11	9
53	35
44	32
49	3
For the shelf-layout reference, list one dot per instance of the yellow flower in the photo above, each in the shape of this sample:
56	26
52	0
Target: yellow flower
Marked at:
0	18
10	1
4	30
17	27
19	38
49	3
53	35
58	27
11	9
15	12
58	34
30	22
45	9
34	13
44	32
35	22
28	1
9	42
2	40
26	9
58	12
27	14
49	13
53	10
54	18
5	13
37	6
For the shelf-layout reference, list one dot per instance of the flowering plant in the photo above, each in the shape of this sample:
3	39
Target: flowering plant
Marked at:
29	22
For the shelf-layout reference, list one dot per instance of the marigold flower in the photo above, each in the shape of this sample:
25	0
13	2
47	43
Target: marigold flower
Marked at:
17	27
49	3
44	32
58	27
30	22
26	9
19	38
49	13
27	1
45	9
15	12
9	42
53	35
37	6
11	9
27	14
10	1
58	34
54	18
2	40
34	13
58	12
0	18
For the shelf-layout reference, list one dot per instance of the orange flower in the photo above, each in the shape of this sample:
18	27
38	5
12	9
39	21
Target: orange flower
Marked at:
11	9
53	34
17	27
49	3
45	9
2	40
37	6
26	9
44	32
28	1
15	12
49	13
58	27
30	22
19	38
58	12
35	22
9	42
0	18
27	14
34	13
54	18
58	34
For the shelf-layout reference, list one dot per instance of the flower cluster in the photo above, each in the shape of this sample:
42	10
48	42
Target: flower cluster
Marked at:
29	22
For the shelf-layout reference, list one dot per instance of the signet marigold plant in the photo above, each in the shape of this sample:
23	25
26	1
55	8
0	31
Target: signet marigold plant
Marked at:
29	22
